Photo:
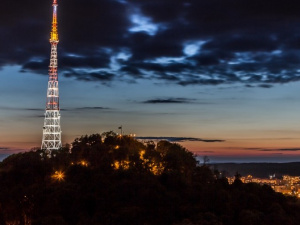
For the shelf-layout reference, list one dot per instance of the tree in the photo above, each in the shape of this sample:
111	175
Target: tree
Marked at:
205	160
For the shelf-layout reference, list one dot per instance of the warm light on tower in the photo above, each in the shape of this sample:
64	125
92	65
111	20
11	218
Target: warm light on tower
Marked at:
54	34
51	130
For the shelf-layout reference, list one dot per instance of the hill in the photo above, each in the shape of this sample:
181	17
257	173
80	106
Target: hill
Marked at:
116	180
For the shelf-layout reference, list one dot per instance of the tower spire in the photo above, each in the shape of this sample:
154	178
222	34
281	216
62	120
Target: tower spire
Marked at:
54	33
51	130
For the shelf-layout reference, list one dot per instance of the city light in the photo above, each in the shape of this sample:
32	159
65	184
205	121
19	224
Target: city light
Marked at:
288	185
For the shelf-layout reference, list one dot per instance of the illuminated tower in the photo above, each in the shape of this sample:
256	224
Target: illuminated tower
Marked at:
51	130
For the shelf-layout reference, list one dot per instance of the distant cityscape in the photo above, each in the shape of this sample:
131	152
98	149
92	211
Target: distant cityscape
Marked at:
287	185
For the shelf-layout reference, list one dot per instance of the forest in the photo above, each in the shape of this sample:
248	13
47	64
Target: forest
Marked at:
108	179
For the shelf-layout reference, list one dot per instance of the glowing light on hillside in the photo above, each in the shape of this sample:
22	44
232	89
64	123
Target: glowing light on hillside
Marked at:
142	153
58	175
83	163
154	167
123	164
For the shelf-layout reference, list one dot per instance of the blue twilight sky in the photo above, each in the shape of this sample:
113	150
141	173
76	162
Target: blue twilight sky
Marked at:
220	77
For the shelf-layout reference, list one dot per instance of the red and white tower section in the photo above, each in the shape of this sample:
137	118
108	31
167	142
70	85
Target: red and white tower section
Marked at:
51	130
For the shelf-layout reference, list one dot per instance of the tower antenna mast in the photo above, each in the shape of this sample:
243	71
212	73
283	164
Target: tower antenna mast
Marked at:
51	130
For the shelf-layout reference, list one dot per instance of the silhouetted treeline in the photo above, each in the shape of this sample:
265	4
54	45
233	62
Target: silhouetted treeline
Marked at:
262	170
114	180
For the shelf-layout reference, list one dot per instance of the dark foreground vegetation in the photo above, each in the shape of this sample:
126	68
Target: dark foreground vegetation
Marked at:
115	180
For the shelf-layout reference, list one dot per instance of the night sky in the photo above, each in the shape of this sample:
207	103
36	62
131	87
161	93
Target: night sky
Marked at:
220	77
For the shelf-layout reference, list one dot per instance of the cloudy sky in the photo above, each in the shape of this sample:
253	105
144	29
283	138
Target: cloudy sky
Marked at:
220	77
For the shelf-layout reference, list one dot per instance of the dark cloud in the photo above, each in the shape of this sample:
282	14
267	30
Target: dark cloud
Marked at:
179	139
132	71
207	59
20	108
275	150
265	85
39	67
101	76
92	108
32	109
246	43
260	85
181	42
168	101
289	149
99	60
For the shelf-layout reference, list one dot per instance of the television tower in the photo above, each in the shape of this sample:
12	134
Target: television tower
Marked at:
51	130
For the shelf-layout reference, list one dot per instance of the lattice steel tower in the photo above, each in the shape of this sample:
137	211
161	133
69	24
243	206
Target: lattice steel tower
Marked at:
51	130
